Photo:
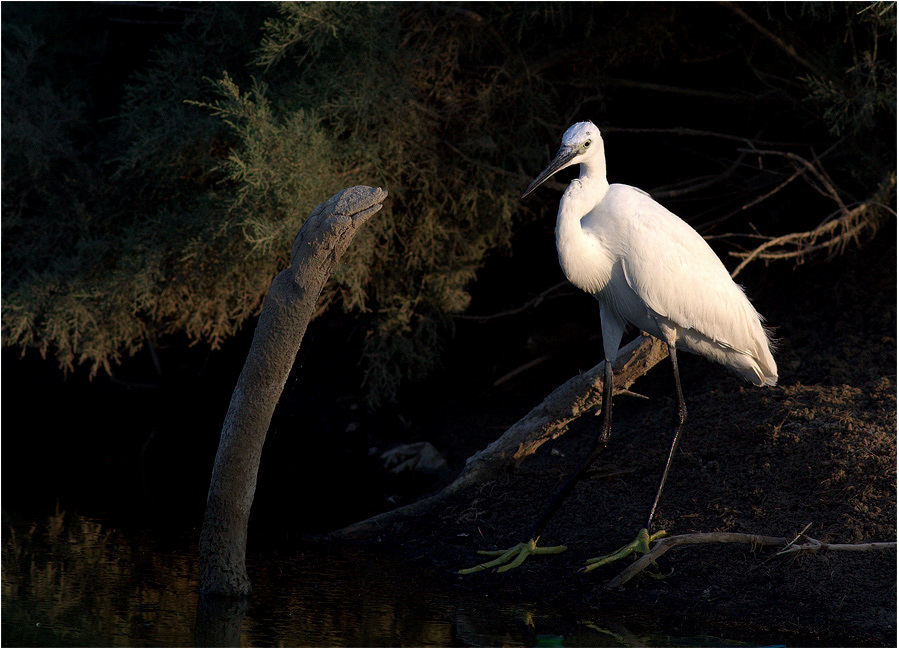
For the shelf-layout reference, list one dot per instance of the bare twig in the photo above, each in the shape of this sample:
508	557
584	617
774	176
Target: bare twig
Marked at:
774	38
520	369
832	235
813	545
533	302
695	185
714	222
799	534
836	233
815	168
799	171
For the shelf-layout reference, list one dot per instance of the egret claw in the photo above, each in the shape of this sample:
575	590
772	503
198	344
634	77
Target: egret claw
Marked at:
520	552
639	545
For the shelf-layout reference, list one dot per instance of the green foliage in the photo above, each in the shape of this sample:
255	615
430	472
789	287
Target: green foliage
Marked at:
113	238
175	216
851	98
45	190
350	105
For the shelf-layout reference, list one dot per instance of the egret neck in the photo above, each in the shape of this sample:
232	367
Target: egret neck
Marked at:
587	266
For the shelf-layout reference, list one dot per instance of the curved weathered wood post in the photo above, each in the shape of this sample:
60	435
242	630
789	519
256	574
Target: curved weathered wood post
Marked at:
287	310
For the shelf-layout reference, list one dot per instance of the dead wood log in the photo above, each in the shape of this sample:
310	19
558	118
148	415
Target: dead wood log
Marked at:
810	545
547	421
287	310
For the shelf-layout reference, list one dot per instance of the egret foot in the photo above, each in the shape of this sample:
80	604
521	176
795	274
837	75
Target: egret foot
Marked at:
519	552
639	545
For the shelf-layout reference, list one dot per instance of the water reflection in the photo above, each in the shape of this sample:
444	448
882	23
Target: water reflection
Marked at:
354	598
70	580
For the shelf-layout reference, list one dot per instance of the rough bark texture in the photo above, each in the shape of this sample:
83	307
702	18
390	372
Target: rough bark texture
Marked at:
288	308
219	621
545	422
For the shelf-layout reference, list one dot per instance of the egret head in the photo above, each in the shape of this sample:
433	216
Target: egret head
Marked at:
579	143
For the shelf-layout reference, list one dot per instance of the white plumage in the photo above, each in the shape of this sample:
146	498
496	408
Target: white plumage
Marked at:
647	267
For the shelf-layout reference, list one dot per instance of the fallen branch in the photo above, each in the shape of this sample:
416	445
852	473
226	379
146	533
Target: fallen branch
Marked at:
663	545
814	546
549	420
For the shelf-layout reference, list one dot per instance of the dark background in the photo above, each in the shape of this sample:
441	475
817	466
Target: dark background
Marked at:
139	447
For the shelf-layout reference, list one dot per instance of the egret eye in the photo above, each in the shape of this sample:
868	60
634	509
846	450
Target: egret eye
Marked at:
586	144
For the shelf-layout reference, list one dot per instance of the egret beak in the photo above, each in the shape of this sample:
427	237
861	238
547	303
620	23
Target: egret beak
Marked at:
562	160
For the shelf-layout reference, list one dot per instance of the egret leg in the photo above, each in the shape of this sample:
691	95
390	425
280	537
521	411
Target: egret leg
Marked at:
599	444
515	556
681	418
643	539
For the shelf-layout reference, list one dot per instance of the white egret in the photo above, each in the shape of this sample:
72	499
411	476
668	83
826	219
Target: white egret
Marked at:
647	267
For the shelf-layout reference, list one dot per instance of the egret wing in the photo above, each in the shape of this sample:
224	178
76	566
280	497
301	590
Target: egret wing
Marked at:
675	273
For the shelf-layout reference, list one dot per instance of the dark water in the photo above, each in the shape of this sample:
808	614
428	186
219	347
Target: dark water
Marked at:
70	580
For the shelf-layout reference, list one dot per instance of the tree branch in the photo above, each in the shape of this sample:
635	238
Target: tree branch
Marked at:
833	234
774	38
816	170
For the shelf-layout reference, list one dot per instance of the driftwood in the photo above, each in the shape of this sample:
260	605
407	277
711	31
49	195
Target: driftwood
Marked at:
547	421
287	310
809	545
